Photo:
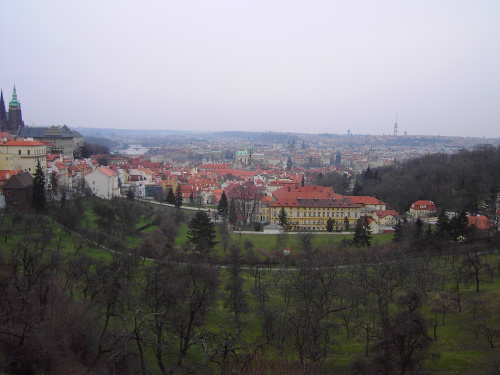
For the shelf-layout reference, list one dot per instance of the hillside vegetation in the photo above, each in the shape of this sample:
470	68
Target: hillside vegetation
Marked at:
469	180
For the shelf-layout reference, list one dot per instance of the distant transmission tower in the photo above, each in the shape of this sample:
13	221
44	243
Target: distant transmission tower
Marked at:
396	126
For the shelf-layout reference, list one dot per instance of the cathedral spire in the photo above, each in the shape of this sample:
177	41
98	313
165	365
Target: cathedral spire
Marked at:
3	114
14	102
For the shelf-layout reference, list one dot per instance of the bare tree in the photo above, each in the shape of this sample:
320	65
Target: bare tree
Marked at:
246	197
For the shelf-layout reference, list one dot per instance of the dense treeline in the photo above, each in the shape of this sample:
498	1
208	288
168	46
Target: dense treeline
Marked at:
65	310
466	180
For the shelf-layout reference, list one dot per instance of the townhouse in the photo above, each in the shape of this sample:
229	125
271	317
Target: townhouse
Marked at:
103	182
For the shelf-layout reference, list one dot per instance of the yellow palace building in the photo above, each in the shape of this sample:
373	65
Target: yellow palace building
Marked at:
310	207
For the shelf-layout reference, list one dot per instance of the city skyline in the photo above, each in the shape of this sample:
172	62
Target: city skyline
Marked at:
316	67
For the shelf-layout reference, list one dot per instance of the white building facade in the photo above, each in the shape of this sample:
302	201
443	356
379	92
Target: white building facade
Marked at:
103	182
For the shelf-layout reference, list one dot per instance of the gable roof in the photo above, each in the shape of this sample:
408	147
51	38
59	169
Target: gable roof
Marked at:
383	213
7	174
107	171
21	180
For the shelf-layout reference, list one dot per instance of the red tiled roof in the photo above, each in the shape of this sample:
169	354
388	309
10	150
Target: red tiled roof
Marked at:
24	143
365	200
108	172
384	213
480	222
5	175
424	205
299	202
306	192
5	135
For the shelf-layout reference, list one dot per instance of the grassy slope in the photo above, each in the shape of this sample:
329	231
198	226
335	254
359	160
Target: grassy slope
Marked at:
459	351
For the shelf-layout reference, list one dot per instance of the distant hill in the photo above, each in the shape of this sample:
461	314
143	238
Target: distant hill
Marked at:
246	136
111	132
256	136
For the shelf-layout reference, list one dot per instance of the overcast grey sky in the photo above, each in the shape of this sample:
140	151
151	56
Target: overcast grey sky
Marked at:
300	66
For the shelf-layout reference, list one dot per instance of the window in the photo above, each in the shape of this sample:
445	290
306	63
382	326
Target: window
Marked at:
29	151
19	152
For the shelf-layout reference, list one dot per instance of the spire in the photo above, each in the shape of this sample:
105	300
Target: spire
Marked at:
14	102
3	115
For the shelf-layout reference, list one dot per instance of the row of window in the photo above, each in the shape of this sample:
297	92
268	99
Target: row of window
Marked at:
306	222
28	152
326	214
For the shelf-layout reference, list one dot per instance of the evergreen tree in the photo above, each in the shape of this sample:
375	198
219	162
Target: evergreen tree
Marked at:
201	233
356	190
443	224
368	175
223	207
398	232
170	196
459	227
38	198
428	232
330	224
283	219
178	197
419	224
362	233
232	213
346	223
130	195
53	185
191	198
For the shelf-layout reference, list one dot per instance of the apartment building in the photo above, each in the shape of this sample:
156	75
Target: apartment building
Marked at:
24	154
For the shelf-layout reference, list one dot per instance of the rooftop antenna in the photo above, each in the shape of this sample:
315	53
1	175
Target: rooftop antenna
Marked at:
396	126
